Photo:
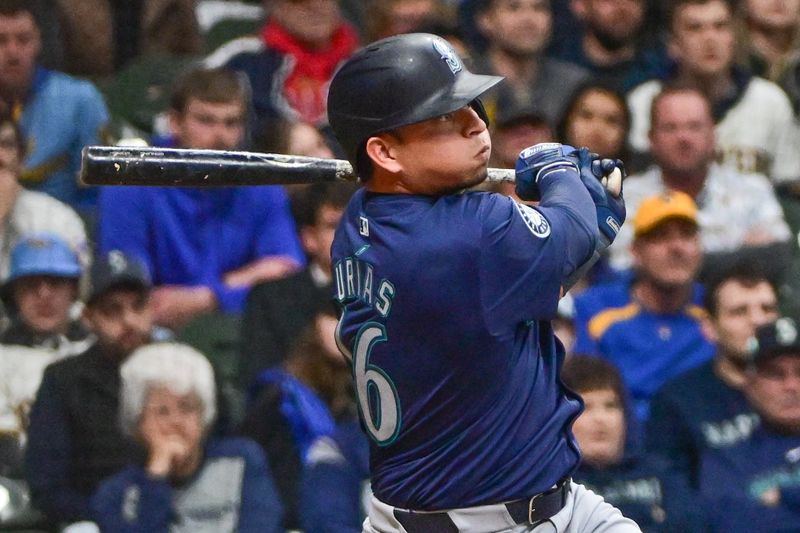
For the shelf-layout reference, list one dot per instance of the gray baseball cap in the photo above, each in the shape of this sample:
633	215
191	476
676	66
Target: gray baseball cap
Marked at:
116	269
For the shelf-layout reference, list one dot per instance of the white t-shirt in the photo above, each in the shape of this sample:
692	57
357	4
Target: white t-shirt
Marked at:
759	134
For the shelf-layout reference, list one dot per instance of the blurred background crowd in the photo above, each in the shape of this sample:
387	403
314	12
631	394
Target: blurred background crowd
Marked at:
167	355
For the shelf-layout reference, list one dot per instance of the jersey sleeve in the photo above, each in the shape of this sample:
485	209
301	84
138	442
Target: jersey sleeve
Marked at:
527	252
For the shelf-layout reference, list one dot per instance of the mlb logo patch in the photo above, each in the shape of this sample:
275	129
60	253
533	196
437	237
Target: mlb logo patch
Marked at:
363	226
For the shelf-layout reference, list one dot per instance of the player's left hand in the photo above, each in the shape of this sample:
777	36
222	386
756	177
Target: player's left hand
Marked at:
603	179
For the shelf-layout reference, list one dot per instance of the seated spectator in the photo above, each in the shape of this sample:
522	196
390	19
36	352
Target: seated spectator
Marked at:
335	485
705	408
739	212
290	64
42	290
597	117
101	36
58	114
271	325
649	323
514	129
211	246
517	33
771	34
754	124
755	484
187	480
74	438
24	212
393	17
636	484
290	407
613	44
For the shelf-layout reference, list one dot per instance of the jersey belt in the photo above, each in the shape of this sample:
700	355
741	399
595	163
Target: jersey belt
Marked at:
531	510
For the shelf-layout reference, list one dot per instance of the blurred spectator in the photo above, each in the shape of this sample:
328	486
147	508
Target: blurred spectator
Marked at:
393	17
187	481
335	485
515	129
101	36
597	117
290	64
270	326
755	128
613	44
24	212
290	407
640	486
58	114
739	213
283	136
649	324
204	248
755	484
518	31
74	438
770	33
705	408
41	291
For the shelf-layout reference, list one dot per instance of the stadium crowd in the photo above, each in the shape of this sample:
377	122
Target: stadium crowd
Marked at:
167	355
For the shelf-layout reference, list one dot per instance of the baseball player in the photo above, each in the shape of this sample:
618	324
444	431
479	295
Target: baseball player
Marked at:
446	299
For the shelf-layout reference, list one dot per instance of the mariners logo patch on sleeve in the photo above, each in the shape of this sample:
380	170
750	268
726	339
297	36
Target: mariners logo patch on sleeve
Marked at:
534	220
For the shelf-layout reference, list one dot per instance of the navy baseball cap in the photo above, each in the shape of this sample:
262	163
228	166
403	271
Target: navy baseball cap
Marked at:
774	339
115	269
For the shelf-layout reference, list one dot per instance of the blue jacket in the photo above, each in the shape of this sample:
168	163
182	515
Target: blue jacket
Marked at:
335	485
754	485
61	116
194	236
232	491
648	348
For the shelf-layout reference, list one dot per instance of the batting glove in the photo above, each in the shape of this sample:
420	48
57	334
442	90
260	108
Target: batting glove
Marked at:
540	161
603	179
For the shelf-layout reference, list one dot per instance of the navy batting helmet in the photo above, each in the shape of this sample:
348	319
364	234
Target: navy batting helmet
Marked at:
398	81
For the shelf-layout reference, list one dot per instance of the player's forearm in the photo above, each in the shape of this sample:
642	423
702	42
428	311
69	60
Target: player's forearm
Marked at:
568	194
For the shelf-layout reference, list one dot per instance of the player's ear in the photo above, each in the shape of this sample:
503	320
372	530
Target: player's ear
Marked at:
380	150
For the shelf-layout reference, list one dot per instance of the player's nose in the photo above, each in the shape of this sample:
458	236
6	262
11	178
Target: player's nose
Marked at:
473	123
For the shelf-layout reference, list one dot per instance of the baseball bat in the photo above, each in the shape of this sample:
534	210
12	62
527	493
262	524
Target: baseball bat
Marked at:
135	165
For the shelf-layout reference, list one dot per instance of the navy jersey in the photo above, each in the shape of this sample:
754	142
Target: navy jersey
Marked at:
694	412
446	308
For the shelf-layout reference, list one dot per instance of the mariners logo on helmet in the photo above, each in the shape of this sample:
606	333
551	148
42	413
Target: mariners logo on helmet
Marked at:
448	54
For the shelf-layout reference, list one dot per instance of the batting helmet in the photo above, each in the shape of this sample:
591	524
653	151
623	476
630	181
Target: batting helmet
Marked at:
398	81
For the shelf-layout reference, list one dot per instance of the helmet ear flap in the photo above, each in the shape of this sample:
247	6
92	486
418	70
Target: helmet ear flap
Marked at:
477	105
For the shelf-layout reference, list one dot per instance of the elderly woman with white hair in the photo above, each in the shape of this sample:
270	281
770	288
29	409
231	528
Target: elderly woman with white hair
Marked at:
187	482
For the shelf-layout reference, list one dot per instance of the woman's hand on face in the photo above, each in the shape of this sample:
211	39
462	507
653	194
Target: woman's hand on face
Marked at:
167	451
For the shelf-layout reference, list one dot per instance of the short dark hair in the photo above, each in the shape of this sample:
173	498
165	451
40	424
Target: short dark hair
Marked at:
217	85
675	5
307	203
747	273
15	7
583	373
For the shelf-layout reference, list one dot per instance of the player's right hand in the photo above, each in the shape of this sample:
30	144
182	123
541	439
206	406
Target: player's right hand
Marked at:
540	161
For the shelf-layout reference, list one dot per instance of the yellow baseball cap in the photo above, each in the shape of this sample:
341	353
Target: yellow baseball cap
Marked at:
665	206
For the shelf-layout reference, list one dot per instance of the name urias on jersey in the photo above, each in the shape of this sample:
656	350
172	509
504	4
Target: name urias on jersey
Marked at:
355	281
